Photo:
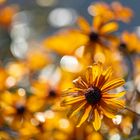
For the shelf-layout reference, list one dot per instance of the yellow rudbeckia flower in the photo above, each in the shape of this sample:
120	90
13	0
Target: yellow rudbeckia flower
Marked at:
67	41
114	11
130	42
91	96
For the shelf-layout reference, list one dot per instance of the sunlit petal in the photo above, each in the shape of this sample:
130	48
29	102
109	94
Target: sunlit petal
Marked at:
112	96
72	100
83	24
108	28
112	84
77	108
84	116
79	83
97	120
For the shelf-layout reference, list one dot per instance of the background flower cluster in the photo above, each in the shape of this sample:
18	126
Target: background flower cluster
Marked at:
40	59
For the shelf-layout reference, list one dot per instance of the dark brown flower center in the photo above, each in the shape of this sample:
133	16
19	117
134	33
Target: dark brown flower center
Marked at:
40	126
123	46
93	95
52	93
20	109
93	36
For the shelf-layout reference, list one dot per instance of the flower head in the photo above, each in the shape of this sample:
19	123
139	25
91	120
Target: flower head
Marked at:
18	107
121	12
6	14
66	42
91	96
115	11
130	42
99	8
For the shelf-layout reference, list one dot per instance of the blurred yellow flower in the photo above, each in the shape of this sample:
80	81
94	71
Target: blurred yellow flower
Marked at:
95	136
4	135
36	59
35	75
66	42
16	106
43	95
17	70
121	12
114	11
44	90
92	98
45	125
6	14
130	42
107	57
101	9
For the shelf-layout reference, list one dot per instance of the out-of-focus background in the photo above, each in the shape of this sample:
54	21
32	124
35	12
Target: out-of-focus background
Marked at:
32	75
35	19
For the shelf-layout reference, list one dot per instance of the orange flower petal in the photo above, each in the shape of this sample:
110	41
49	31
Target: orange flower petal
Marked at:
79	83
109	27
121	12
65	42
109	109
118	104
113	40
97	22
110	96
97	120
72	100
77	108
84	116
89	75
112	84
83	24
104	77
70	91
96	72
107	112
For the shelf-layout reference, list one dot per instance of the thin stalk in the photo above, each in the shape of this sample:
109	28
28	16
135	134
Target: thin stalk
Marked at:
130	110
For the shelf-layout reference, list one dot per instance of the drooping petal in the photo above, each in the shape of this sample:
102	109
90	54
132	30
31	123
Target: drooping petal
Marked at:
112	39
72	100
84	116
97	120
75	109
65	42
80	83
112	84
90	117
83	24
112	96
108	28
121	12
113	103
107	111
111	107
71	91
